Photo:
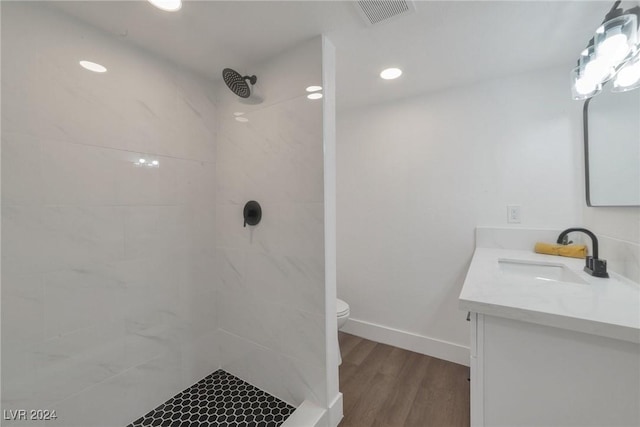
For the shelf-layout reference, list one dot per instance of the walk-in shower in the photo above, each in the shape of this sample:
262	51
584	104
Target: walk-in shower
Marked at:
130	285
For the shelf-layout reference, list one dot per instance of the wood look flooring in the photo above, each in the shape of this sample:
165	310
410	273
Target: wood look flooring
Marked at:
386	386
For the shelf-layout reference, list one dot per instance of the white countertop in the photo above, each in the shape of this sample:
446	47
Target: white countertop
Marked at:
606	307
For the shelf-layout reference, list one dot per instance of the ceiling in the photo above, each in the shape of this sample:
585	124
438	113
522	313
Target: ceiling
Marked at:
442	44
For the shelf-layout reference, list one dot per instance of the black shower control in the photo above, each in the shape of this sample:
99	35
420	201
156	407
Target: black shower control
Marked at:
252	213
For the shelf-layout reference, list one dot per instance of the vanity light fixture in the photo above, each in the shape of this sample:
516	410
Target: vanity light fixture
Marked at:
92	66
167	5
391	73
628	78
611	53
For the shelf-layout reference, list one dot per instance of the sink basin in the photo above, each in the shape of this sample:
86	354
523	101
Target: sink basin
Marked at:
546	271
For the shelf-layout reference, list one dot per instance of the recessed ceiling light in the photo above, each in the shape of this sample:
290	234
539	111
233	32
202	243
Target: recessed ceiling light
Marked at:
242	119
314	88
238	113
92	66
167	5
391	73
316	95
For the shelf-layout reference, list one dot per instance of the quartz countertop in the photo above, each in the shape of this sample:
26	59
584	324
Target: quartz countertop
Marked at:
606	307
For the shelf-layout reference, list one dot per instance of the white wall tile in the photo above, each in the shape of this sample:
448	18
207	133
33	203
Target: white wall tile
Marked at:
22	177
303	335
272	275
109	297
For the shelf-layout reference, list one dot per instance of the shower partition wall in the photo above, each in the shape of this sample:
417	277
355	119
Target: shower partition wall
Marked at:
272	278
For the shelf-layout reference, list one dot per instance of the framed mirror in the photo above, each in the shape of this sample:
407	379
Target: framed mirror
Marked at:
612	148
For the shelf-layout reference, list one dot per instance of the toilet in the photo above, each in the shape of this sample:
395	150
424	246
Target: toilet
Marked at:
342	309
343	313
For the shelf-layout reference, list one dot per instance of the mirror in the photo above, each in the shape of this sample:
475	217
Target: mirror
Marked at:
612	148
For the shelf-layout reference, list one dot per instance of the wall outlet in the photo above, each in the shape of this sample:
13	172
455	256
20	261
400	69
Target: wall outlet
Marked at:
513	214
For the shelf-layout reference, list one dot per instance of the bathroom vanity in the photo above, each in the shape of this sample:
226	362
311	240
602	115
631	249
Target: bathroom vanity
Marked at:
551	345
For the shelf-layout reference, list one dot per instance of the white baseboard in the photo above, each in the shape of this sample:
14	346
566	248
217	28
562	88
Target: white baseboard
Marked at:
335	411
308	414
409	341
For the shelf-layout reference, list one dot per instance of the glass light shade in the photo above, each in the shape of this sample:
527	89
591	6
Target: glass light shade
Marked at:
594	68
628	77
616	38
583	87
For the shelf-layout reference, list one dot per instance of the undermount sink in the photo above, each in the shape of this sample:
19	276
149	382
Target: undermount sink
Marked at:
546	271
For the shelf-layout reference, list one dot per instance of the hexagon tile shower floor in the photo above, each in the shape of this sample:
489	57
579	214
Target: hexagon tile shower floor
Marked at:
220	399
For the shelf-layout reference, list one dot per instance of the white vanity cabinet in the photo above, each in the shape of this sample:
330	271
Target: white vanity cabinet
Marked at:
528	374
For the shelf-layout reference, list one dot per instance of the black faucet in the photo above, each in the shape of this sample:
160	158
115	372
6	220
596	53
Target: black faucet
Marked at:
595	266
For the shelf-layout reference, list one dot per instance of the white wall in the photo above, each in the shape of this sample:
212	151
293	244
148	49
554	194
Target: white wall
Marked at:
107	268
415	178
272	276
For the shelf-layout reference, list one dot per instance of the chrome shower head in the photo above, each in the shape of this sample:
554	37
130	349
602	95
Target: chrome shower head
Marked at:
238	83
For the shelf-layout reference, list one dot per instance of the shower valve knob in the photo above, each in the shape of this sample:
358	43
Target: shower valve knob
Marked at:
252	213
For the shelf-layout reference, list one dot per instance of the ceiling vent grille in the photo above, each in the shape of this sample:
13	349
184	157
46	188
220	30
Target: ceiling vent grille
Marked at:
376	11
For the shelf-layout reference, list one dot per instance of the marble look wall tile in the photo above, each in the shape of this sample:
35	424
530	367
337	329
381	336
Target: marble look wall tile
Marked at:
252	319
287	378
266	274
202	228
23	305
235	354
78	174
276	267
233	187
231	273
302	219
21	176
132	392
304	288
80	298
303	381
155	230
302	335
253	363
197	312
202	358
22	226
108	298
80	236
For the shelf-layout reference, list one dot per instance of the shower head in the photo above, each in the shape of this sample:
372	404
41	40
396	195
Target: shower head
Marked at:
238	83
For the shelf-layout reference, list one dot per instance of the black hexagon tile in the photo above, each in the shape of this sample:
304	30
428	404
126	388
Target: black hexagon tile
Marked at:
220	399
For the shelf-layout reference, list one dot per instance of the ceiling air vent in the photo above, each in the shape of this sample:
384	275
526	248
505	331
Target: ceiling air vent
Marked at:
376	11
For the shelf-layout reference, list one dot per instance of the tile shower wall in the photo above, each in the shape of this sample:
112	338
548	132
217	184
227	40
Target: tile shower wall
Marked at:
108	289
272	318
